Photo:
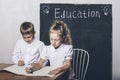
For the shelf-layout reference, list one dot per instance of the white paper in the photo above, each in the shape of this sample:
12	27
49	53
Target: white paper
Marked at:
20	70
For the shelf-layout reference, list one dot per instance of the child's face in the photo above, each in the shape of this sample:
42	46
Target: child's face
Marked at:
28	37
55	39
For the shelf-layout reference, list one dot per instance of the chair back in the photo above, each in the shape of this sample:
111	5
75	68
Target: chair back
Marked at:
80	63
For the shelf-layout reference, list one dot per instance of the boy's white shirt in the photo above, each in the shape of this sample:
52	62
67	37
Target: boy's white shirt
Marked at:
29	53
57	56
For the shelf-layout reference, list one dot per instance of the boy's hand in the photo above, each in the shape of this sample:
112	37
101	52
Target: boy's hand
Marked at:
35	66
20	63
28	70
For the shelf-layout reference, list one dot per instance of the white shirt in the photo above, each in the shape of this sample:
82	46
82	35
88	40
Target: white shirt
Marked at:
58	56
29	53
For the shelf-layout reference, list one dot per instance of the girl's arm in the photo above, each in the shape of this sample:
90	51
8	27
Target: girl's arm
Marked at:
62	68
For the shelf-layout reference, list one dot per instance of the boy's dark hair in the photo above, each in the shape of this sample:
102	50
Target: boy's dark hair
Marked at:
27	28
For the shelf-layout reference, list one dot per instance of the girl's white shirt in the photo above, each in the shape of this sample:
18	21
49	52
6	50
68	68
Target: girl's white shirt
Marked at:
29	53
57	57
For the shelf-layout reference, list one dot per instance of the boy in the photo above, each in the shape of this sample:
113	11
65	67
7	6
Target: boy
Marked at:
28	49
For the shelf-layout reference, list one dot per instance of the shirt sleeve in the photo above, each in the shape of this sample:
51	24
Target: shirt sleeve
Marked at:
69	52
41	48
16	53
44	53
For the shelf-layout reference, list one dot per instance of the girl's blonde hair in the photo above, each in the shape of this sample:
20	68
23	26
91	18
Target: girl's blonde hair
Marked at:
63	29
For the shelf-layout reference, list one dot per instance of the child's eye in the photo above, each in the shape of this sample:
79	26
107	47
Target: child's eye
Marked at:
51	39
57	39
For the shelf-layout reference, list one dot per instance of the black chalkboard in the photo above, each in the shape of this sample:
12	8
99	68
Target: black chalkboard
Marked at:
91	30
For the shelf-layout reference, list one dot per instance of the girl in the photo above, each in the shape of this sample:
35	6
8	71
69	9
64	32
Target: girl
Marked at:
59	53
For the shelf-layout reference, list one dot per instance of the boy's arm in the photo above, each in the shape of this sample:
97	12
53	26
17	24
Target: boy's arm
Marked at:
17	56
35	66
62	68
17	60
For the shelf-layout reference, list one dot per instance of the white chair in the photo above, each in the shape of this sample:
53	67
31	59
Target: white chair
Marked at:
80	64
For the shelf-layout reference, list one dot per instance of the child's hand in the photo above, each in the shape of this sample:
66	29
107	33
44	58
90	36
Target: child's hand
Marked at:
20	63
35	66
55	71
28	70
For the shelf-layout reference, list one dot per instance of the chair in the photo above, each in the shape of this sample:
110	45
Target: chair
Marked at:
80	64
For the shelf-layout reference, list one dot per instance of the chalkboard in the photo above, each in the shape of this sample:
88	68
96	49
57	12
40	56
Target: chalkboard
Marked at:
91	30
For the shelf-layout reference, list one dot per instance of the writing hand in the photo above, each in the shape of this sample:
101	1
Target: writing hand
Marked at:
28	70
35	66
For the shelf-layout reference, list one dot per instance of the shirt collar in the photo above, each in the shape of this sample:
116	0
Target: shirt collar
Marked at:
57	48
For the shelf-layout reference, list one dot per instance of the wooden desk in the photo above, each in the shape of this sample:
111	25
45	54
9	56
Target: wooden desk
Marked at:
4	75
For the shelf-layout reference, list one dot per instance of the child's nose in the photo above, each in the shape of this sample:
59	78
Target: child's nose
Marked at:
54	42
27	39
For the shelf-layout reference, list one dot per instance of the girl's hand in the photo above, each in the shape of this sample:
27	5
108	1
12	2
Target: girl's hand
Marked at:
55	71
20	63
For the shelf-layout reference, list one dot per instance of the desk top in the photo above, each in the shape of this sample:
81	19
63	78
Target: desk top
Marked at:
4	75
